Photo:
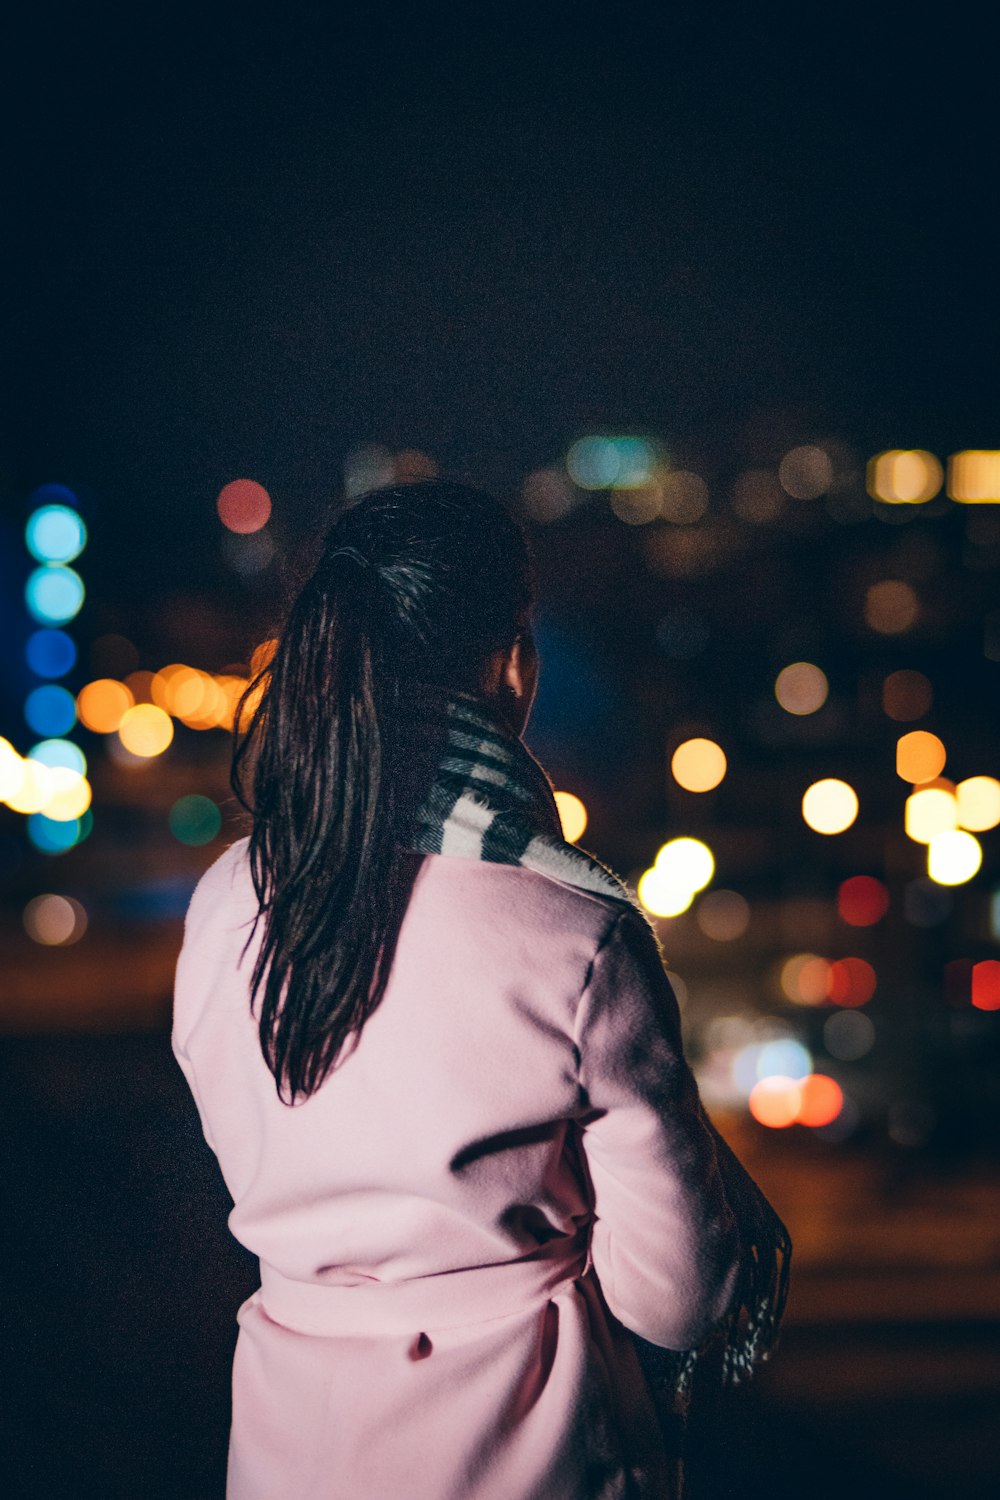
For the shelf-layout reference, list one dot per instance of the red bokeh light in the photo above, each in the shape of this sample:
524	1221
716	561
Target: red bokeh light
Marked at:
851	981
244	506
986	984
862	900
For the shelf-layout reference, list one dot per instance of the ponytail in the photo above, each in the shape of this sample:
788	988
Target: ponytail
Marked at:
396	598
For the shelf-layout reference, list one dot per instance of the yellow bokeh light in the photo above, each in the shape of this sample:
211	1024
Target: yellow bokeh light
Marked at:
31	792
69	795
805	979
830	806
978	800
891	607
101	705
161	687
904	476
572	816
698	765
663	895
801	688
974	477
11	774
920	756
686	863
146	730
231	687
953	857
775	1101
140	685
213	708
929	812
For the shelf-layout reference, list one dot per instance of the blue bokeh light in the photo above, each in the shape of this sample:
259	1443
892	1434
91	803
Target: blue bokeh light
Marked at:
55	534
54	594
51	653
50	710
52	837
54	494
59	752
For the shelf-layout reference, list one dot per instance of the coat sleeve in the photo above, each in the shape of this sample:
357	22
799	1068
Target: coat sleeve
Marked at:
665	1242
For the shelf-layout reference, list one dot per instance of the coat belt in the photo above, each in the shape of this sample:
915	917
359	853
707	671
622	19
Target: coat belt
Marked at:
423	1304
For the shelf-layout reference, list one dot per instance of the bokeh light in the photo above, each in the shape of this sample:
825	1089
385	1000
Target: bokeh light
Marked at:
805	979
904	476
757	496
906	695
663	895
146	730
806	473
820	1101
54	594
920	756
687	862
602	463
51	837
547	495
55	534
776	1101
929	811
850	981
54	921
68	795
27	785
723	915
60	753
830	806
11	769
698	765
848	1035
891	607
974	476
637	506
801	688
683	497
194	819
572	816
953	857
103	704
986	984
243	506
50	653
978	802
50	710
862	901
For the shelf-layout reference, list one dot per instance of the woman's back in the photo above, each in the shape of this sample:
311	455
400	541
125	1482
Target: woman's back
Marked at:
514	1141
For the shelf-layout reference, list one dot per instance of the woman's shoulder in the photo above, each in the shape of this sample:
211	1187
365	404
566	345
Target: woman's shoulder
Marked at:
225	881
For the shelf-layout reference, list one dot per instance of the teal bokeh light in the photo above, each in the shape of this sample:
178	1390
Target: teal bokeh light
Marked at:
54	594
194	819
55	534
59	753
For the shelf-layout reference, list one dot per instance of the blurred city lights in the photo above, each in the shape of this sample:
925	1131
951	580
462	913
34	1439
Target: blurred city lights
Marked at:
830	806
602	463
698	765
68	795
776	1101
862	900
50	710
978	801
51	837
194	820
30	791
55	534
54	594
663	895
902	476
50	653
572	816
986	984
891	607
974	477
54	921
103	704
243	506
806	473
805	979
687	861
820	1101
953	857
60	753
11	774
920	757
930	811
723	915
547	495
801	688
906	695
146	730
850	981
683	497
637	506
848	1035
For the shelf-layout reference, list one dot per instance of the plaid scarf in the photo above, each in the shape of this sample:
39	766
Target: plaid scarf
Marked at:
490	799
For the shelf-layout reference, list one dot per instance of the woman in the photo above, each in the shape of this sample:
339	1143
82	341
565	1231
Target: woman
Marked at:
437	1055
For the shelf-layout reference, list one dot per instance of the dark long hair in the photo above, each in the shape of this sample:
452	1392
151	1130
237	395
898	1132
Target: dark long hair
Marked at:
417	585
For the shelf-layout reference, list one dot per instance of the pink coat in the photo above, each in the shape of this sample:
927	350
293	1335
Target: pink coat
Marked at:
514	1147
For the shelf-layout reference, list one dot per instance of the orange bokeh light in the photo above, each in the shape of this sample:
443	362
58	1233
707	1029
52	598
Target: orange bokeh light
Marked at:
851	981
244	506
820	1100
102	705
920	756
775	1101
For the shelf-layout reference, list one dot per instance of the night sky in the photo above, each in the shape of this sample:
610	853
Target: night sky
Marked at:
238	247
